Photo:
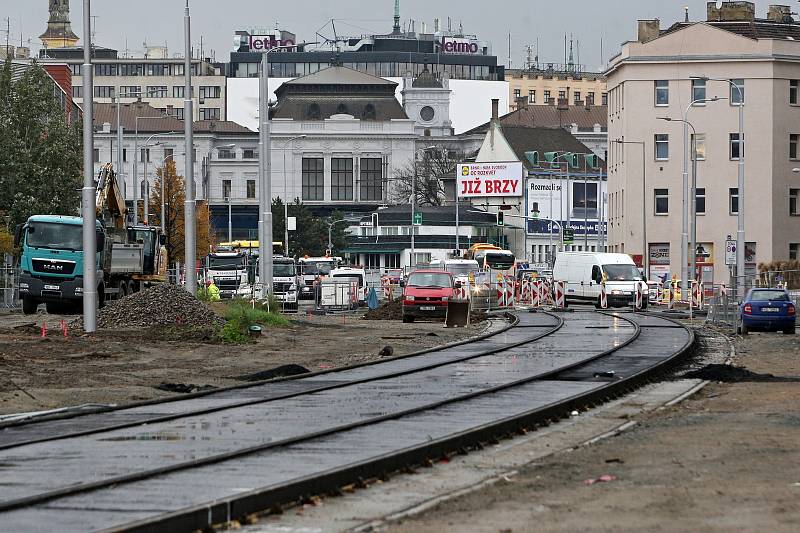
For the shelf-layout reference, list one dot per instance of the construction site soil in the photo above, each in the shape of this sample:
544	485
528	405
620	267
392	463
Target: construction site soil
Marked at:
122	365
723	460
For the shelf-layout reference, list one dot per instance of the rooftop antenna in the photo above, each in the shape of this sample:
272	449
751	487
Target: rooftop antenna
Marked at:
686	13
509	50
8	33
396	28
94	28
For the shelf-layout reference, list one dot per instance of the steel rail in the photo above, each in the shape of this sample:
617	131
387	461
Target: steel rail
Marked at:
141	475
245	403
273	498
513	320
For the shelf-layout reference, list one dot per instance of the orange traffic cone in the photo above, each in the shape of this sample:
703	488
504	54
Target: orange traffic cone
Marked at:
44	329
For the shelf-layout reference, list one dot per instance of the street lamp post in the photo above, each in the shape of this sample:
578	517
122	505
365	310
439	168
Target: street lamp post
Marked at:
645	251
286	195
190	237
136	159
740	236
88	191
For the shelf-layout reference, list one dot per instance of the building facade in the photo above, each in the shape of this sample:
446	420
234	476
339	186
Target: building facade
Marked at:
543	84
156	79
651	78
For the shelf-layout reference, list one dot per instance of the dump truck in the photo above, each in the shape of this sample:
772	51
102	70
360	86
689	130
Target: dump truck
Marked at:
128	257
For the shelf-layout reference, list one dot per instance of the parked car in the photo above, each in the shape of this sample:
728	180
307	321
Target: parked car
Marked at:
426	294
767	310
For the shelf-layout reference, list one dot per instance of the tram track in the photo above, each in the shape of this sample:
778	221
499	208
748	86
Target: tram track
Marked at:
456	403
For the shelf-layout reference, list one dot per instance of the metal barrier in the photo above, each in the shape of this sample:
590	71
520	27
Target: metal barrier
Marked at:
9	284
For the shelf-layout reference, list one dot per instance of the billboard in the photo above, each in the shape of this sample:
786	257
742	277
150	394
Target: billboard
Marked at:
548	204
485	180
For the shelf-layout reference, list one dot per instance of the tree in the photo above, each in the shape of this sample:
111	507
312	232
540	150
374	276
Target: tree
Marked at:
311	236
431	174
40	153
174	223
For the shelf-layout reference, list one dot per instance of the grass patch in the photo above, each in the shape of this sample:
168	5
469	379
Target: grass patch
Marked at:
240	315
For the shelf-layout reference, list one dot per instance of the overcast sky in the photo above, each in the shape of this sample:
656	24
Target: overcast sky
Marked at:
129	23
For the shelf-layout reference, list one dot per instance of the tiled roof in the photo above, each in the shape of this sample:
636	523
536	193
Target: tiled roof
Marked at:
309	107
550	116
757	29
524	139
336	75
155	121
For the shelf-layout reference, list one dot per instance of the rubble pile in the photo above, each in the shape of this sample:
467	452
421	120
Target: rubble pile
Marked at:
161	305
391	310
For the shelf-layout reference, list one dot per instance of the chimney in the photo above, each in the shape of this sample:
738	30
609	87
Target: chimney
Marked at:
731	11
495	109
522	102
563	104
649	30
778	13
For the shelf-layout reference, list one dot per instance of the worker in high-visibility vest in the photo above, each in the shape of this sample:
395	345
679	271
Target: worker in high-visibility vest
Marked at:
213	291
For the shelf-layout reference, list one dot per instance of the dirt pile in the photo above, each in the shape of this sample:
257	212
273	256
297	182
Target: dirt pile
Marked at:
392	310
736	374
158	306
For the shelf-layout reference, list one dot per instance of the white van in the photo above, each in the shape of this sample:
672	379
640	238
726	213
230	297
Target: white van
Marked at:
356	274
583	272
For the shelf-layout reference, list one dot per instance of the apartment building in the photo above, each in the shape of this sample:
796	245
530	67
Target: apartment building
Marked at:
544	84
651	78
155	78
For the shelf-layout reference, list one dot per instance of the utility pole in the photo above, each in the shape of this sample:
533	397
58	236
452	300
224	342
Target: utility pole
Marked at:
190	224
265	182
88	191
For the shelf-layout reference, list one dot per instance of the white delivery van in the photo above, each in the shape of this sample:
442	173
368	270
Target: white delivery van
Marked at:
583	273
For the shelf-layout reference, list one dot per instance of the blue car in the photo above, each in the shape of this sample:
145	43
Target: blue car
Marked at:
767	310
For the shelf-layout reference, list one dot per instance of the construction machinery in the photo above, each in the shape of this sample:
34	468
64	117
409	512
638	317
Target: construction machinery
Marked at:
128	257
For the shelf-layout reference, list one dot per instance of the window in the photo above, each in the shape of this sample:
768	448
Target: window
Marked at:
794	251
77	91
662	146
104	91
733	201
735	99
562	95
75	69
157	70
105	70
130	91
130	69
576	96
698	90
124	155
392	261
547	97
177	112
517	94
736	147
313	178
662	201
251	188
178	91
249	153
700	201
226	189
157	91
209	91
371	178
96	155
584	200
793	145
590	97
209	113
605	98
226	153
144	155
168	154
532	97
794	207
699	146
793	84
662	92
341	178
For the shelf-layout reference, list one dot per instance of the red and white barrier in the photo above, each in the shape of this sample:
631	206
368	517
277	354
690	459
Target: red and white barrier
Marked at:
559	294
697	296
638	303
671	295
536	293
603	296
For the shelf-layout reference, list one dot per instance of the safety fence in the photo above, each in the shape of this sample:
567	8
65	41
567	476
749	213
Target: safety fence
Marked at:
9	284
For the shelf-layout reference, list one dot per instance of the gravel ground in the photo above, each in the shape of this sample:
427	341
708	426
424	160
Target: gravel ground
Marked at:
126	365
724	460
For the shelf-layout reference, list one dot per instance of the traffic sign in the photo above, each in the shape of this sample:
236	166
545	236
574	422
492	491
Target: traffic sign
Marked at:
730	252
418	218
569	235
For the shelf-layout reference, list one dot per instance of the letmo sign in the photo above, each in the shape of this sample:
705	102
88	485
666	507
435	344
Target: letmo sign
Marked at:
258	43
478	180
459	46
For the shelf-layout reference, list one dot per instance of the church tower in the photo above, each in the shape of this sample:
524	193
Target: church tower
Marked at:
59	30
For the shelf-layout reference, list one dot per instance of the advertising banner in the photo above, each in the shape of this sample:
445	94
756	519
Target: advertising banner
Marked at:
547	205
486	180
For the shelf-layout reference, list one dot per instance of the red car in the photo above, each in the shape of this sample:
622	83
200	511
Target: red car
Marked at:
426	294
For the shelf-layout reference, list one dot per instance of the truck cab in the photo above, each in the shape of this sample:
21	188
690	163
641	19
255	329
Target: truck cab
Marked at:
228	270
312	269
284	281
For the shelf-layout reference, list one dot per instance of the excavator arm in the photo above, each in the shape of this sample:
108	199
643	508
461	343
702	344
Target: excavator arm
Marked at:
110	202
